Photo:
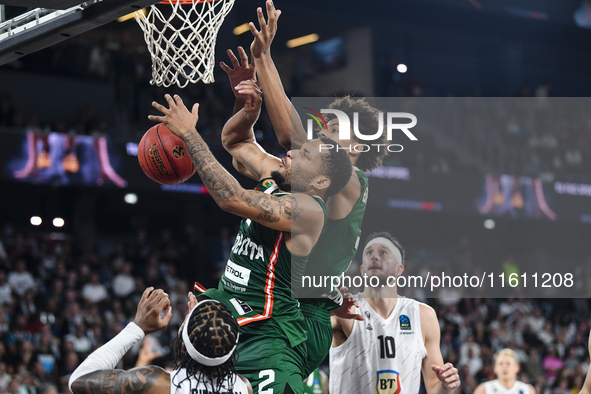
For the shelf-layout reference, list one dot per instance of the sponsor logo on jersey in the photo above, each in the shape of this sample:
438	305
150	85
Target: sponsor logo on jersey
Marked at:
245	247
237	273
178	152
368	327
388	382
241	307
405	323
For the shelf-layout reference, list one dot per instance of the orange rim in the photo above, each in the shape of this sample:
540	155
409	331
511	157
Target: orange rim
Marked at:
184	1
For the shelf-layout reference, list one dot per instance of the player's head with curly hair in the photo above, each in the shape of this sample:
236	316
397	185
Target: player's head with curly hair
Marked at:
206	345
368	121
313	169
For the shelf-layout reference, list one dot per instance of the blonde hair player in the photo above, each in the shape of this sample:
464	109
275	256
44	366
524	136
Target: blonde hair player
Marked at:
506	369
398	340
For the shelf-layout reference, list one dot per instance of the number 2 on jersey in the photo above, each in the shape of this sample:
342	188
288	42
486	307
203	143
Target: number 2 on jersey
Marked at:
387	347
270	375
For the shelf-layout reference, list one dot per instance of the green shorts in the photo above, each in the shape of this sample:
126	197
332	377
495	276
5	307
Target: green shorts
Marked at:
319	335
267	360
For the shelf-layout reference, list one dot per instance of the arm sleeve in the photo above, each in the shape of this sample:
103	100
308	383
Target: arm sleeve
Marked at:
108	356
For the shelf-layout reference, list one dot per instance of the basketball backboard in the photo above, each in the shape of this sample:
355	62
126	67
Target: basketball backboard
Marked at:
40	28
52	4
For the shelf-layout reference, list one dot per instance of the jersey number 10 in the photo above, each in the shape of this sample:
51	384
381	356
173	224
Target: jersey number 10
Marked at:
387	347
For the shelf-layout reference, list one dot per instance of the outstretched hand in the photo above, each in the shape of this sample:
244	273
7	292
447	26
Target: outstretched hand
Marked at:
146	354
177	117
263	39
447	375
348	309
240	72
150	308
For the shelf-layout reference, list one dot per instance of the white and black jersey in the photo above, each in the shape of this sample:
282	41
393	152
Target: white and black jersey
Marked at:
179	384
381	355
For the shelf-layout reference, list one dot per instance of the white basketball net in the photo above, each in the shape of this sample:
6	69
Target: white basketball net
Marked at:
182	42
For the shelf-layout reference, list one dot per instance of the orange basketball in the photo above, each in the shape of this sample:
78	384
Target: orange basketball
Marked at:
163	156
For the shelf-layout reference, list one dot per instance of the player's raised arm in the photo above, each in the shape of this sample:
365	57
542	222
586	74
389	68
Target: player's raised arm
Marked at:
285	119
275	212
240	72
239	140
439	378
96	375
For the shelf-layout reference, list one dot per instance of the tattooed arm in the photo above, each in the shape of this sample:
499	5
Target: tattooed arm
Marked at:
297	213
239	140
143	380
96	374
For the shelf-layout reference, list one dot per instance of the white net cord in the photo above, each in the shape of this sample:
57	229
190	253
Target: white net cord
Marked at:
182	43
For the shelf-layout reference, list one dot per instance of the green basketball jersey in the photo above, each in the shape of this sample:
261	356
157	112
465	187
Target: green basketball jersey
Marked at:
257	282
333	253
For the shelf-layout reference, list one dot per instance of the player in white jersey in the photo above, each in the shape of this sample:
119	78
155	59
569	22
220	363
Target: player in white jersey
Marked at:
398	340
205	351
587	385
506	369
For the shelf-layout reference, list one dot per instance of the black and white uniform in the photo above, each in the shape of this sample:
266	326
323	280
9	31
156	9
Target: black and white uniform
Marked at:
495	387
381	355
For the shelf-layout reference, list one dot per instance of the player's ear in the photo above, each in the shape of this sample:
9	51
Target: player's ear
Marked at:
399	269
321	182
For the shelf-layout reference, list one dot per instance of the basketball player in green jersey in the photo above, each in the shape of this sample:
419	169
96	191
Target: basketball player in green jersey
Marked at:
338	243
277	231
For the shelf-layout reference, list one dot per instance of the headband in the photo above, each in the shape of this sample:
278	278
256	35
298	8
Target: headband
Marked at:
194	353
387	243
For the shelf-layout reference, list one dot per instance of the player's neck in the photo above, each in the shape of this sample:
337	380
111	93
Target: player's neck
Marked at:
507	383
382	300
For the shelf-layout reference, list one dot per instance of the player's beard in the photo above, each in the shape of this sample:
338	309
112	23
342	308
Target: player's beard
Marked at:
282	181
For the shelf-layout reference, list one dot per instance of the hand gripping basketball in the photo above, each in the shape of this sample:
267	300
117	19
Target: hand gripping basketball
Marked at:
177	117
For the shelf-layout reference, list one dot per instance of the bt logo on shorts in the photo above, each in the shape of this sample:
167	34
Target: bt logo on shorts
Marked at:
345	129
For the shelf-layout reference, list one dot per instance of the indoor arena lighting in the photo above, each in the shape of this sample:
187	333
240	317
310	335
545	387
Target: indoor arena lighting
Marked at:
489	224
296	42
130	198
58	222
401	68
243	28
36	220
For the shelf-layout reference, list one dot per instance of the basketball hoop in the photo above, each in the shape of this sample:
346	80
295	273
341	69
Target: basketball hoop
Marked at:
182	43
